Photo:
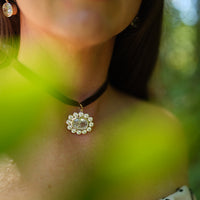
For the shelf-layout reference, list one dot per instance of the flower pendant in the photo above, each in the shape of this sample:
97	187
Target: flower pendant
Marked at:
80	123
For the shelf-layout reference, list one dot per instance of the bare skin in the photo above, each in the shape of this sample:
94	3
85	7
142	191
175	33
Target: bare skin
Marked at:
56	164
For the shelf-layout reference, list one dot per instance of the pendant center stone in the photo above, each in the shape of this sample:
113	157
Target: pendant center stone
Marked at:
80	123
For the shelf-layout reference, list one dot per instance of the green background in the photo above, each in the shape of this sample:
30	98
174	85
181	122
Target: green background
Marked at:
176	81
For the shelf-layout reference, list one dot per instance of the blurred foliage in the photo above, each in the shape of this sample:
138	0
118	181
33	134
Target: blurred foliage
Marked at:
177	86
177	83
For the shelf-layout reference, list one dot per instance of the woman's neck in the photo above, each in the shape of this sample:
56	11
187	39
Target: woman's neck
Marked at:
79	68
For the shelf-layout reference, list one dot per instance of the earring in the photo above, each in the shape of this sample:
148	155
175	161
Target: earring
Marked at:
9	9
135	22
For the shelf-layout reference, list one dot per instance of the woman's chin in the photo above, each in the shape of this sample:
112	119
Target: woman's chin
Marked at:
84	27
83	40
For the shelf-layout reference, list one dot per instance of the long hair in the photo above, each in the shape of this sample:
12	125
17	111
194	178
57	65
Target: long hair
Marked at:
136	51
134	56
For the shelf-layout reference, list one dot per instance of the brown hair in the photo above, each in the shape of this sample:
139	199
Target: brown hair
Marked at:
135	52
9	36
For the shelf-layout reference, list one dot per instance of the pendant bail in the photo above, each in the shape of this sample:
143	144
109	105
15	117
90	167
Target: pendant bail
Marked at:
81	107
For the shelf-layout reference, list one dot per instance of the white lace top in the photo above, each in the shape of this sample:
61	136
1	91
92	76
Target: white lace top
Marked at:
183	193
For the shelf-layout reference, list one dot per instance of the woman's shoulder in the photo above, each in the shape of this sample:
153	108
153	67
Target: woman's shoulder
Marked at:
155	112
154	143
144	111
158	136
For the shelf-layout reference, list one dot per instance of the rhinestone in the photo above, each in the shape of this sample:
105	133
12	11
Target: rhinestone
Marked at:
73	130
78	132
86	115
90	119
7	9
91	124
89	129
75	114
69	127
80	114
70	117
80	123
68	122
84	132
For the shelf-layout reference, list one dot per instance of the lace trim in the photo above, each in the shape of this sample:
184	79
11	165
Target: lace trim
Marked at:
183	193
